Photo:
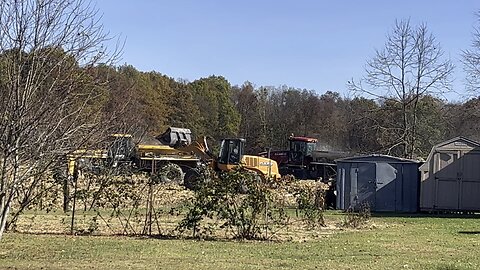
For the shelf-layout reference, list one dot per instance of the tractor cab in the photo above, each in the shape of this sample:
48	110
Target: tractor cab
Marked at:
232	155
231	151
121	148
301	149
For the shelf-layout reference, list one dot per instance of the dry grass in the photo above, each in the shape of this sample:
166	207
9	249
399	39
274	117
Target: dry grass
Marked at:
169	209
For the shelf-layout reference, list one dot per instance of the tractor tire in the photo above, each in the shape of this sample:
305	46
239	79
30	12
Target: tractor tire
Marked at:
192	179
171	173
195	178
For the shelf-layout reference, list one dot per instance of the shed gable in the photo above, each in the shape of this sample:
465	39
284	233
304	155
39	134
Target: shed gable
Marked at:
458	143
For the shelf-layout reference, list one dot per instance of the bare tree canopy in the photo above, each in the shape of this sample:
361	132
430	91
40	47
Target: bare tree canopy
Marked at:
471	60
48	97
410	66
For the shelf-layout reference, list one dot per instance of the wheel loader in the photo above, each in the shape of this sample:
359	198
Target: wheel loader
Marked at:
231	156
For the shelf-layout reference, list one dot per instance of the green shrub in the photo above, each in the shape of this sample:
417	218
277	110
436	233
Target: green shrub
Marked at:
356	219
239	202
310	204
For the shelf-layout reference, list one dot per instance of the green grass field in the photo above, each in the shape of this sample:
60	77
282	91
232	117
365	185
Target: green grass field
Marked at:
417	242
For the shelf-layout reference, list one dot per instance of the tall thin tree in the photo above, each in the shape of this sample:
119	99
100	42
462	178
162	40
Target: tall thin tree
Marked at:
410	66
48	96
471	60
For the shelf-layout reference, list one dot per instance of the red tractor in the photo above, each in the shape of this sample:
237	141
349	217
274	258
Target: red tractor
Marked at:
304	161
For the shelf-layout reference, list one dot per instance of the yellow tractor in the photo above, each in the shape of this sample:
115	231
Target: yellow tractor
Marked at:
231	156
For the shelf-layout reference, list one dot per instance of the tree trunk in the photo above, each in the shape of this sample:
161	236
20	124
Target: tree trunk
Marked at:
3	217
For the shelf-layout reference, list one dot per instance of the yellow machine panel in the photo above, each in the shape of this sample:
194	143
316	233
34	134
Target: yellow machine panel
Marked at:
268	167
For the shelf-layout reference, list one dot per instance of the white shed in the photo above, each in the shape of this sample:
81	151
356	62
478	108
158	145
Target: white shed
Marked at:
450	177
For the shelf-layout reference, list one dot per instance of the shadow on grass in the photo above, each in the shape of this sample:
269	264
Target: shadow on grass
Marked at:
153	236
140	236
81	234
427	215
469	232
447	267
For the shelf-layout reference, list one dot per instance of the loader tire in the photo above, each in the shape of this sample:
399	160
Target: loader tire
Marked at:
192	179
195	178
171	173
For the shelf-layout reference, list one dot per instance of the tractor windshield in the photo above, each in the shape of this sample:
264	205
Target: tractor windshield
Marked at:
121	147
306	148
231	151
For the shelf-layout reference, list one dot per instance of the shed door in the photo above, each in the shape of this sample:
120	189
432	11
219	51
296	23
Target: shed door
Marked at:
365	174
448	172
470	183
385	187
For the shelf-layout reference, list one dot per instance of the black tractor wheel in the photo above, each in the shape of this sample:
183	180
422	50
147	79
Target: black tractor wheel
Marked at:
196	177
192	179
171	173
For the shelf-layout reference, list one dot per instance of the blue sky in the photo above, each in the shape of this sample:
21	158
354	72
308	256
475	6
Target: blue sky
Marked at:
314	45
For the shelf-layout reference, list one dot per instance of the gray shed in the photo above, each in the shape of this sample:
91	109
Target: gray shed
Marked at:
450	178
386	183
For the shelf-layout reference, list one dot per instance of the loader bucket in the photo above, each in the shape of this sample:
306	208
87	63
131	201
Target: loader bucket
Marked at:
176	137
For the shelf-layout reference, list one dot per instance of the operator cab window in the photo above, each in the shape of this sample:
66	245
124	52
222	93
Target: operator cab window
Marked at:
310	148
298	147
230	152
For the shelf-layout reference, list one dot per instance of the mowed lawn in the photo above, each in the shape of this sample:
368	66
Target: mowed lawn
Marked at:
417	242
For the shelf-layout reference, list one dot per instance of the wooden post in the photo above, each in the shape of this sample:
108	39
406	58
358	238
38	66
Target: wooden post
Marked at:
66	194
75	181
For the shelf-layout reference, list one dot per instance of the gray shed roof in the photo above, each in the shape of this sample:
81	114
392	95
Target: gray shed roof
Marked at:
452	144
376	158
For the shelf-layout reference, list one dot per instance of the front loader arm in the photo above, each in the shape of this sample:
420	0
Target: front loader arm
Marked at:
200	148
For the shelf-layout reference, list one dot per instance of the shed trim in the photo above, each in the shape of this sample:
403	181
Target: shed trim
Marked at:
391	159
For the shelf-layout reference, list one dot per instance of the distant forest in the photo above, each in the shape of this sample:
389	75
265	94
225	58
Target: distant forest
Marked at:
265	116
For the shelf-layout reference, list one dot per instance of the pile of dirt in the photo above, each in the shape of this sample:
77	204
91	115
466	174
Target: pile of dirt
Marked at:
172	195
287	192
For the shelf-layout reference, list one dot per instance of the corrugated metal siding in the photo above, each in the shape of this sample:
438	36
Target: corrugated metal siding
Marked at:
385	183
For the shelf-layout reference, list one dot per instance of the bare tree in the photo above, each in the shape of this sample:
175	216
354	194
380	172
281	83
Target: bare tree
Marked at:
471	60
48	97
409	67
